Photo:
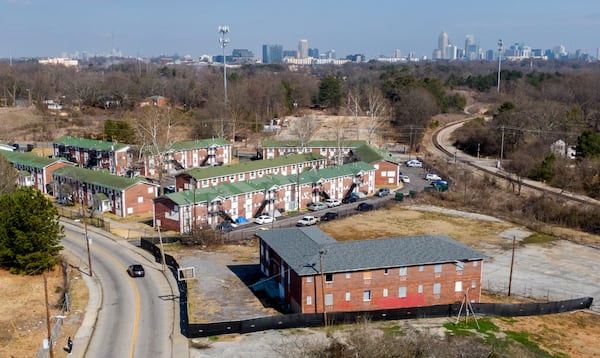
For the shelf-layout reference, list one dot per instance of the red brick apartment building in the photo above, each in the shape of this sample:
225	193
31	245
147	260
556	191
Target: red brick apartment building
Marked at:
35	171
312	271
387	168
94	154
211	176
105	192
327	148
269	194
192	154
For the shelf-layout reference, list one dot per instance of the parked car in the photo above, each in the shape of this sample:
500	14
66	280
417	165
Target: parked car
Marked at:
317	206
364	207
136	270
431	176
264	219
226	226
383	192
414	163
308	221
328	216
405	179
333	202
440	185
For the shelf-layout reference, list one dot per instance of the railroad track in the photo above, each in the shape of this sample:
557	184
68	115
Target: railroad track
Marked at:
534	186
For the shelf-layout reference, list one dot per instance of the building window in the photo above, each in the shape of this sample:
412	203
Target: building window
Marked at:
140	199
150	190
347	274
347	296
437	268
385	271
205	182
459	266
475	263
402	292
367	275
308	300
473	283
420	289
328	277
367	295
329	299
403	271
458	286
437	288
309	279
421	268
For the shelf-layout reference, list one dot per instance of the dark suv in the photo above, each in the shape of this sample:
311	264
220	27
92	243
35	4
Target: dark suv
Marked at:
364	207
328	216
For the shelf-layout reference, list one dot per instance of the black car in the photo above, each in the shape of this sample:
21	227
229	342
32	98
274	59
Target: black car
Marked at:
349	199
136	270
364	207
328	216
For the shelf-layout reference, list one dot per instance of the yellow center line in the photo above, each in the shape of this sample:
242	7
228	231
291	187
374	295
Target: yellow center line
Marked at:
137	299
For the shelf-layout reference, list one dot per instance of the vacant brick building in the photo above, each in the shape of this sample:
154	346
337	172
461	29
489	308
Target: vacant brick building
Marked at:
269	194
327	148
311	268
35	171
105	192
94	154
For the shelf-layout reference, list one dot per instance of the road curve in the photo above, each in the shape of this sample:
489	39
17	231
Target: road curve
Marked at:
136	315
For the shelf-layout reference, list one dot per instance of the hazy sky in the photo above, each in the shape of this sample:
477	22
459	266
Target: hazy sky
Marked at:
150	28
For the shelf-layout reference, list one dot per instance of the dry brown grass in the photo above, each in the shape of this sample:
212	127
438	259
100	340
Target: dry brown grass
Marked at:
23	315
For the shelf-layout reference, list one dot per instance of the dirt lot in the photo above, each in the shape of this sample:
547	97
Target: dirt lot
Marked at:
23	315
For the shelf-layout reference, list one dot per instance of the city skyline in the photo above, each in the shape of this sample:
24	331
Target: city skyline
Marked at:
150	28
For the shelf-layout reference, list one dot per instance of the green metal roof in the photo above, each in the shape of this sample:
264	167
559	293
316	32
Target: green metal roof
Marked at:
99	178
217	171
30	159
224	190
90	143
370	154
312	176
312	143
266	182
199	143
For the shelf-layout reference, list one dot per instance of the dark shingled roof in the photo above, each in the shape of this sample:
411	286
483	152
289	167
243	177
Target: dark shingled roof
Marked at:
300	247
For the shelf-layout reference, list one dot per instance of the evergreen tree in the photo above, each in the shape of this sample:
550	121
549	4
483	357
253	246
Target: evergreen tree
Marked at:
30	232
330	92
8	176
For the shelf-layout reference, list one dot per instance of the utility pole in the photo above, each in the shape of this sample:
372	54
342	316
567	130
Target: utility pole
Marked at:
502	147
162	248
50	349
87	240
512	262
321	253
223	30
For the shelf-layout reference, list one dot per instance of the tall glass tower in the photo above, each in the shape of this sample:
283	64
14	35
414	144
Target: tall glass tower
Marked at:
272	53
443	45
303	49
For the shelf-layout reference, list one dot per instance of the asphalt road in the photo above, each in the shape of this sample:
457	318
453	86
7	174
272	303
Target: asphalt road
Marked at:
136	315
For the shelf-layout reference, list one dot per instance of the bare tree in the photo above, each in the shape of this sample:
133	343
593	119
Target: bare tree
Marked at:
154	129
353	105
378	111
304	128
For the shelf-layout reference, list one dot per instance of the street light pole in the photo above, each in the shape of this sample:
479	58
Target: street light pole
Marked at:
223	30
50	349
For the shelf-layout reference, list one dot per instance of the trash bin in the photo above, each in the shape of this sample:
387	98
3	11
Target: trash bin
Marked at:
412	193
399	196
